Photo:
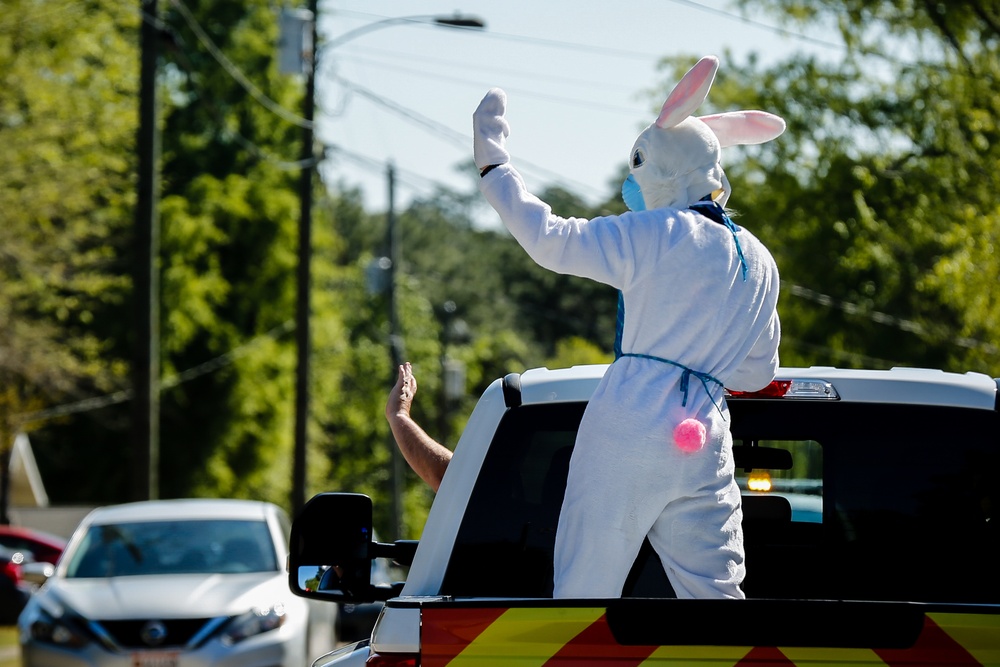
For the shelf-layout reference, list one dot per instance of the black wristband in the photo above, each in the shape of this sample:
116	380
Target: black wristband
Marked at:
487	170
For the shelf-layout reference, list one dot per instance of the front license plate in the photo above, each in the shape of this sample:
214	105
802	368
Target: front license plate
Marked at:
155	659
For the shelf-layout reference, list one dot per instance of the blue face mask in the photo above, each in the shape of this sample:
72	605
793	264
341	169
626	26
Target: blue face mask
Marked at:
632	194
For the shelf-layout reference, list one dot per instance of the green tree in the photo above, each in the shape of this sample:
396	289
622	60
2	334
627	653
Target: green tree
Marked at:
229	212
66	111
879	197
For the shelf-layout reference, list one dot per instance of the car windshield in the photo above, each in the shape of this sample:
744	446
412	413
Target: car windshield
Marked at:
173	547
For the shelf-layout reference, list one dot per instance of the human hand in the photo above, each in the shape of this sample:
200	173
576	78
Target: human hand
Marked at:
490	130
401	396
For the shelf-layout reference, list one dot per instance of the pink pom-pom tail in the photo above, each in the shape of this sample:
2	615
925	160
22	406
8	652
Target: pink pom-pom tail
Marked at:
690	435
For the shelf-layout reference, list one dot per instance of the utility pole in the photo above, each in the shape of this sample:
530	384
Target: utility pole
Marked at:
146	283
395	252
396	346
303	306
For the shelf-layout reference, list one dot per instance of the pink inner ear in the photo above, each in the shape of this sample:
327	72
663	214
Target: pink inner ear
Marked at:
689	92
744	127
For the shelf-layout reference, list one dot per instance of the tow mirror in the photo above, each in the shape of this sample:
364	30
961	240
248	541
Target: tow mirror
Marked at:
331	550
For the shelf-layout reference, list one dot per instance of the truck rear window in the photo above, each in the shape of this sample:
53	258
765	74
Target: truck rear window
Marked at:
884	502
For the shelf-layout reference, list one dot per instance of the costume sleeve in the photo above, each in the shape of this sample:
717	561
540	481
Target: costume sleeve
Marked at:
598	249
759	367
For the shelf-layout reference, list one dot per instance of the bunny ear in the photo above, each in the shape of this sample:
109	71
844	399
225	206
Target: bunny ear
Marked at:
689	92
744	127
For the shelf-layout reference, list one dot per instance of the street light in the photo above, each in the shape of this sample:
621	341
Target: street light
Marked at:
308	161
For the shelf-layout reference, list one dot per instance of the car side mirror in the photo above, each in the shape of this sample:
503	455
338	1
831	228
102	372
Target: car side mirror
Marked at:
37	573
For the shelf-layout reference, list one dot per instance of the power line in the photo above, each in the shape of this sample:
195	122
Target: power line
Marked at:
561	99
480	69
86	405
378	167
235	72
757	24
97	402
909	326
854	358
455	137
443	131
263	154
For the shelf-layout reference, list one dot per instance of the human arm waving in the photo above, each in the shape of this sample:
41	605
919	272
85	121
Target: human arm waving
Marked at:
428	458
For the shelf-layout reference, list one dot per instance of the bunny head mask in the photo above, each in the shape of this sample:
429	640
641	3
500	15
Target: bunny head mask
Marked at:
676	160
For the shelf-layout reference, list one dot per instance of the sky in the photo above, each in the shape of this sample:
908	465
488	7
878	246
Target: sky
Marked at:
579	78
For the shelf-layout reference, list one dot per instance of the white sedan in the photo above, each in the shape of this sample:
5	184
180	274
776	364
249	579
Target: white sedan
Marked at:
170	583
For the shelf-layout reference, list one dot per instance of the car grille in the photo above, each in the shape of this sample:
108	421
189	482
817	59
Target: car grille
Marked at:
178	632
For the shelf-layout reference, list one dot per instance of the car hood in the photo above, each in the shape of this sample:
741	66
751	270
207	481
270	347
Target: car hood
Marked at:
167	596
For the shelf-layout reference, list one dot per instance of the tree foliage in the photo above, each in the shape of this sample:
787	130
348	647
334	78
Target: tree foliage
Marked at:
65	195
228	214
880	192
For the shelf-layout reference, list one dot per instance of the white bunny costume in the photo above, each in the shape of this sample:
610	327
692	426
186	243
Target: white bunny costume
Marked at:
653	455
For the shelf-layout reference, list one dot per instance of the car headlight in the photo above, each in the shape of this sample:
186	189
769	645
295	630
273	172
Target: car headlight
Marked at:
62	631
254	622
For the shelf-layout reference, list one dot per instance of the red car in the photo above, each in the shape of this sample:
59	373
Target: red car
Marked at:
41	546
19	546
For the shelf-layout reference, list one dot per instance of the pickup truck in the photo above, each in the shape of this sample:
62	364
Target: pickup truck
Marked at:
871	524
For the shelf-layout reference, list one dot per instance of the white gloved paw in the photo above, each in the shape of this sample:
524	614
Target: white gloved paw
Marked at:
490	130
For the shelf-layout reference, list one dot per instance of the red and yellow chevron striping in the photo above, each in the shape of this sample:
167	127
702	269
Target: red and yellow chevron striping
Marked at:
567	636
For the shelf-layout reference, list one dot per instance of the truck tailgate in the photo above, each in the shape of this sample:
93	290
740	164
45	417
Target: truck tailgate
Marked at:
707	632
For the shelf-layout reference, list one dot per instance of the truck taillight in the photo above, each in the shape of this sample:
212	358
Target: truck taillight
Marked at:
776	389
393	660
791	389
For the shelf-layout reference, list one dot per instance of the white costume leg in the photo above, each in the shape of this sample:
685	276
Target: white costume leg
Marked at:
598	535
700	541
620	478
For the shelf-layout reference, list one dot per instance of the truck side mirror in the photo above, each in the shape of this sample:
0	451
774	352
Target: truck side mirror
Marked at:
330	554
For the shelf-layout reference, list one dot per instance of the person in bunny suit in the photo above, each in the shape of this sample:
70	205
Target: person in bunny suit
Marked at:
697	312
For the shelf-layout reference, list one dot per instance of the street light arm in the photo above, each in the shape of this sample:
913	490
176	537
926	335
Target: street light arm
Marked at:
456	21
